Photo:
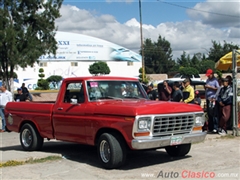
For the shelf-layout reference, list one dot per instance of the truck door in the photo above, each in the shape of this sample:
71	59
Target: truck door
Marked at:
69	113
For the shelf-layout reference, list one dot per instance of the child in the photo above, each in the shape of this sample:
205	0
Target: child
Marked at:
197	99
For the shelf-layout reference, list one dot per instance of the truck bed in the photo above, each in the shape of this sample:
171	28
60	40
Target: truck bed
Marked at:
40	113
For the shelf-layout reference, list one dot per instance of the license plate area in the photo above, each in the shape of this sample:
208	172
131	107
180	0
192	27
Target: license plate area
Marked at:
175	140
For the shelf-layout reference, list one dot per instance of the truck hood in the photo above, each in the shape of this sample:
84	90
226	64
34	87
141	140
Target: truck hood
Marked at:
142	107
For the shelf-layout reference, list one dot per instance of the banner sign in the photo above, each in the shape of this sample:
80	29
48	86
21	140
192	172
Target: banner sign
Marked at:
78	47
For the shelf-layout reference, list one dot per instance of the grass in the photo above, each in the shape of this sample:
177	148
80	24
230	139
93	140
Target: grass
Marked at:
29	161
228	136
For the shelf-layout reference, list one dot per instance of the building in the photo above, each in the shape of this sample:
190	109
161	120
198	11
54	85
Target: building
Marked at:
74	55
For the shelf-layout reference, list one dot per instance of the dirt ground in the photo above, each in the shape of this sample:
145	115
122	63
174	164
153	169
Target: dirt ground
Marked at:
215	158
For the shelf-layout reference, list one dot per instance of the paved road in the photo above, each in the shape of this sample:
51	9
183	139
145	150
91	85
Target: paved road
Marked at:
215	156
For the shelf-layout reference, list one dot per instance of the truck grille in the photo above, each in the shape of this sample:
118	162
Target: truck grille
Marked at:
171	125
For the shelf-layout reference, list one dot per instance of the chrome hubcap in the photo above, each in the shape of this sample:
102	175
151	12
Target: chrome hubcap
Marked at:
105	151
26	138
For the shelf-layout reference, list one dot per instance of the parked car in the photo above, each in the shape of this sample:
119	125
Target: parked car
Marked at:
179	77
112	113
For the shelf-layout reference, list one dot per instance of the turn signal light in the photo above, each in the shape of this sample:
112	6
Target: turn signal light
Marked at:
137	134
198	128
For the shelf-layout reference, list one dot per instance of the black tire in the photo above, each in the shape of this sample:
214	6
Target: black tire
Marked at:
30	138
178	150
111	150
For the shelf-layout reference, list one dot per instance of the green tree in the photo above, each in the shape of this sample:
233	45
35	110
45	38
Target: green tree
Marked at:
198	62
157	56
27	31
184	60
99	68
218	50
41	73
206	64
54	78
195	61
42	84
188	71
146	79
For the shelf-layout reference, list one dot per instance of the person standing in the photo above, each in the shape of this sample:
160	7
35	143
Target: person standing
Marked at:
5	97
215	107
225	99
26	92
177	94
20	96
197	99
211	88
188	92
152	94
164	92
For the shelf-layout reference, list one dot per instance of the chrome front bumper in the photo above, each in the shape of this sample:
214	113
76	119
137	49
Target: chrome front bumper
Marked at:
158	142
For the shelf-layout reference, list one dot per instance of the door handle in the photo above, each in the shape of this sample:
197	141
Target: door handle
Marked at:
60	108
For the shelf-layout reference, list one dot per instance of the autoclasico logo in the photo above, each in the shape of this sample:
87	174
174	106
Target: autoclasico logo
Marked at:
187	174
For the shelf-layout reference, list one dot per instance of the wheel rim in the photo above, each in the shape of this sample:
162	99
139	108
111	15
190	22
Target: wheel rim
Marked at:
105	151
26	138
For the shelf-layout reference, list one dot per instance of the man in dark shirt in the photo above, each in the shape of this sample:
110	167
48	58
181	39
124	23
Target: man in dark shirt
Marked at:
165	92
20	96
26	92
177	94
152	94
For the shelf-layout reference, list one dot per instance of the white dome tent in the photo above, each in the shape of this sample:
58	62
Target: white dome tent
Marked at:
74	55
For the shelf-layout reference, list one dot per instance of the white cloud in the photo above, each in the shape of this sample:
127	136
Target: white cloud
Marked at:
189	36
219	13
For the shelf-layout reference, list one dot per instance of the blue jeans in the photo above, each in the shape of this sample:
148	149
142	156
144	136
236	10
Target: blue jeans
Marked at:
3	118
29	96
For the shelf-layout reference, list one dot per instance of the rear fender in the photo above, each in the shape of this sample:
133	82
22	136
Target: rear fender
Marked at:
30	122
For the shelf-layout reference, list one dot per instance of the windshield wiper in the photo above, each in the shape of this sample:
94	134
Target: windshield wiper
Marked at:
134	97
110	97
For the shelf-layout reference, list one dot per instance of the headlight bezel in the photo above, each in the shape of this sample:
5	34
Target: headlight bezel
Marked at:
144	124
199	119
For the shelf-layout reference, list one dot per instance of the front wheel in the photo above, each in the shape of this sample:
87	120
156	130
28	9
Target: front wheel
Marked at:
30	138
178	150
111	150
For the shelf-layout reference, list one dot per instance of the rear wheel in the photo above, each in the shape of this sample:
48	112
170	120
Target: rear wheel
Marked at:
178	150
30	138
111	150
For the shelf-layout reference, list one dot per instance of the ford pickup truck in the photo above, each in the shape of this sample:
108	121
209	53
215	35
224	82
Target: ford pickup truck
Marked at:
112	113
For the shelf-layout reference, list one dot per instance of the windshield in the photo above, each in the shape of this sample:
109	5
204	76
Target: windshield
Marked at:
115	90
178	75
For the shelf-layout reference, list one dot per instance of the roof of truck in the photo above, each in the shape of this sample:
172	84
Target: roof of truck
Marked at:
102	78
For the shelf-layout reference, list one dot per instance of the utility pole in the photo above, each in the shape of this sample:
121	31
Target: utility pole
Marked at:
141	34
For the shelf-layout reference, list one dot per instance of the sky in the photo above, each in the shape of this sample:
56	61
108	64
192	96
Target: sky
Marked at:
189	25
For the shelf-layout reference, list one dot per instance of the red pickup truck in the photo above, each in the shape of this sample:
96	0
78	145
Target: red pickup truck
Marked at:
112	113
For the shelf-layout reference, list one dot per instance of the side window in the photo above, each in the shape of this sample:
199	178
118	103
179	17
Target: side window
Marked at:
183	77
74	91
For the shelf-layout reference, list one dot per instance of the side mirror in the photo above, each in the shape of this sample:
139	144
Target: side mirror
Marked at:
74	101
